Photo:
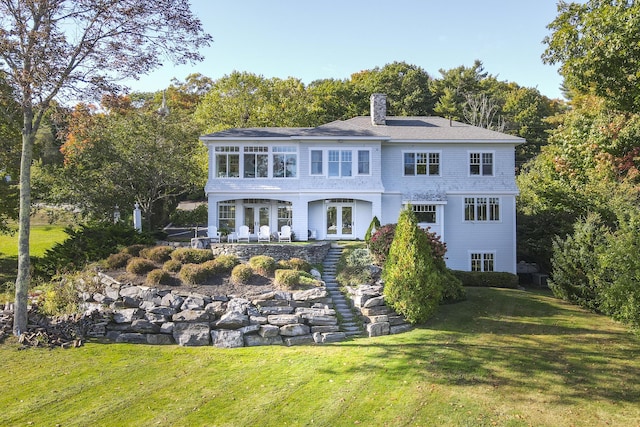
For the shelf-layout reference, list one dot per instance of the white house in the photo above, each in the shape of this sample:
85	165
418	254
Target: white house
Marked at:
328	182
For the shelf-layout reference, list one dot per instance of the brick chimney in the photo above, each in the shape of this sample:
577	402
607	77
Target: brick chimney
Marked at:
378	109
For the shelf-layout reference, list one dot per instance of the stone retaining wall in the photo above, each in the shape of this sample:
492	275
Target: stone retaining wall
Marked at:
140	314
314	253
377	317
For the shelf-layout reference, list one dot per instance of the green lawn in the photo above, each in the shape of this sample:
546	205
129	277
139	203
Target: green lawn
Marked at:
501	358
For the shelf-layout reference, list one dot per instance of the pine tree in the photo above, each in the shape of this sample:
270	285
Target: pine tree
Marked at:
413	281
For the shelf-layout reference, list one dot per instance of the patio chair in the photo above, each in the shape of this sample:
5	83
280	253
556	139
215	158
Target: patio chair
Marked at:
264	234
213	234
284	235
243	233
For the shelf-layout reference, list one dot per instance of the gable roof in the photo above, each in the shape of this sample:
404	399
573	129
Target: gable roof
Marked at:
397	128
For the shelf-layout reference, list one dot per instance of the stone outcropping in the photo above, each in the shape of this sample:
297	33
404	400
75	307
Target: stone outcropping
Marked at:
377	317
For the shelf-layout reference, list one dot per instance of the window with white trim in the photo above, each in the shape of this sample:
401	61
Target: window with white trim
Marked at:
341	163
425	213
482	209
316	162
256	162
421	163
482	261
481	163
285	160
227	216
227	162
285	214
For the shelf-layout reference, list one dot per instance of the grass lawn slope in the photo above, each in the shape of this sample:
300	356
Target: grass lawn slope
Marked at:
501	358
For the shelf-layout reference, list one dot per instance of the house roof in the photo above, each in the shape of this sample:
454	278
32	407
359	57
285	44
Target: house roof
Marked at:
397	128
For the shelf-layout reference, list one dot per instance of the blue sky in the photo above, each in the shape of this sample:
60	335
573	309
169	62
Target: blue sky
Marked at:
332	39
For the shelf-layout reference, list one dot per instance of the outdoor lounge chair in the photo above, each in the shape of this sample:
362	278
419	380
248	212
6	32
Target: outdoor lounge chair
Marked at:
213	234
264	234
243	233
284	235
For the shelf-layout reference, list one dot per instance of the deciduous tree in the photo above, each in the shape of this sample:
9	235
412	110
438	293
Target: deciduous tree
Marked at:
69	48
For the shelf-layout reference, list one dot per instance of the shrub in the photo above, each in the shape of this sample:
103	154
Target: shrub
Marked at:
192	256
157	254
241	274
193	274
373	226
226	263
138	265
118	260
158	277
172	265
134	250
413	278
263	264
296	264
88	243
452	289
60	297
494	279
287	279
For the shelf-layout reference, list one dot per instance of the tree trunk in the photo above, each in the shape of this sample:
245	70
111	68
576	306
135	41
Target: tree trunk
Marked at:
23	279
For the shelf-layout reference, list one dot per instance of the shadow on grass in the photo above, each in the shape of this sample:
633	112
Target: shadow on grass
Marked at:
525	342
8	269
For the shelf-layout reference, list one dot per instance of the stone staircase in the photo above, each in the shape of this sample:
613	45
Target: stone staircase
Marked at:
347	319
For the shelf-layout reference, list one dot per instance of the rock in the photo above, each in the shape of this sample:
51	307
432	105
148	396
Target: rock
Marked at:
249	329
256	340
144	326
129	291
375	311
328	337
316	274
320	320
160	339
172	300
127	315
309	294
232	320
149	294
298	339
376	319
191	316
265	311
377	329
258	320
224	338
130	302
396	320
295	329
193	302
373	302
283	319
192	334
156	318
323	329
131	338
217	308
167	328
112	335
165	311
112	292
268	331
398	329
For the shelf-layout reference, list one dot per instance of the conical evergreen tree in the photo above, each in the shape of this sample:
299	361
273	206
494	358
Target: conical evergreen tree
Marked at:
412	280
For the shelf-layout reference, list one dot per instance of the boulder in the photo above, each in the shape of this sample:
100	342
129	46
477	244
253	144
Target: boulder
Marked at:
224	338
129	291
232	320
192	334
398	329
256	340
160	339
193	302
268	331
132	338
298	339
144	326
283	319
127	315
377	329
295	329
190	315
265	311
217	308
373	302
320	320
172	300
310	294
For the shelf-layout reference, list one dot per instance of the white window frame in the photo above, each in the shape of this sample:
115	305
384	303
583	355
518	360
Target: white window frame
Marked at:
428	208
484	209
486	260
477	158
226	152
312	162
347	162
286	151
428	154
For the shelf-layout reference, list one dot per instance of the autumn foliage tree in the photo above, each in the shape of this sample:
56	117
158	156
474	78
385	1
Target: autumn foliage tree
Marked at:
63	49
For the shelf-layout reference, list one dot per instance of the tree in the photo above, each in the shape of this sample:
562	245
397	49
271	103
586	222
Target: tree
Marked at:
596	45
9	149
131	156
412	279
64	48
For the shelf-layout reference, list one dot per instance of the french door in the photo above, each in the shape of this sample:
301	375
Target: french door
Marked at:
255	216
340	220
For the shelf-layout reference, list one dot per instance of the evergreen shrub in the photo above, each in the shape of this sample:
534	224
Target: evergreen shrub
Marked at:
192	256
119	260
157	254
263	264
140	266
158	277
241	274
172	266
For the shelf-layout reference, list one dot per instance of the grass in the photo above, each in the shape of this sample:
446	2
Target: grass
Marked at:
501	358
